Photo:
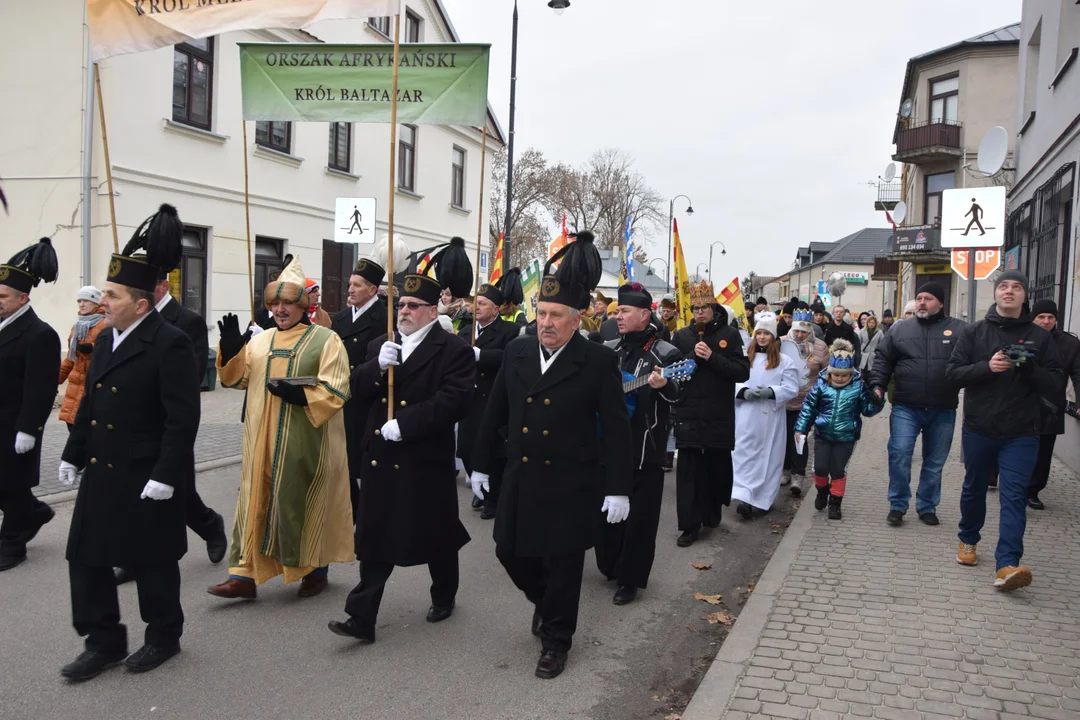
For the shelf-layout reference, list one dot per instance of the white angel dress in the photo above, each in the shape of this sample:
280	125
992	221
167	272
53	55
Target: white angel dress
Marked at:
761	428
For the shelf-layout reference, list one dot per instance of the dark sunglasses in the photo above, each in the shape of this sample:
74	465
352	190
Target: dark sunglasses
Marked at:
413	306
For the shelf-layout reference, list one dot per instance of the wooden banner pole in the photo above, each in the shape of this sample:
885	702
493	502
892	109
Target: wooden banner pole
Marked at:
247	224
108	163
390	217
479	229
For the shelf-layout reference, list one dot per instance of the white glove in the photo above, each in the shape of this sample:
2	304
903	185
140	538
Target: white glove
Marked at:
255	329
617	508
389	354
480	485
390	431
476	352
156	491
24	443
69	474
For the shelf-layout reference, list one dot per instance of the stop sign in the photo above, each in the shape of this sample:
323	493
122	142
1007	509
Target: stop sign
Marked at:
987	261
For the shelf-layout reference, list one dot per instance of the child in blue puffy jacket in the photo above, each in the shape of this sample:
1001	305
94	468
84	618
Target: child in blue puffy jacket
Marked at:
834	407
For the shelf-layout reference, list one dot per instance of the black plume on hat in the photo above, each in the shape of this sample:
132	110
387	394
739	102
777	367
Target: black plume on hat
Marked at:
510	286
3	200
161	235
453	269
286	260
581	267
38	260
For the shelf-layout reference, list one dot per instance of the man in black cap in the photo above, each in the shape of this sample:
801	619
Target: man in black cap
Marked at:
29	366
493	334
133	443
360	322
558	397
783	327
887	320
408	510
760	305
625	551
914	356
1044	314
1007	365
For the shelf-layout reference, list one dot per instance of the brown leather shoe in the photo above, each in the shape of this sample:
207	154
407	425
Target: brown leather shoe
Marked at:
311	586
233	589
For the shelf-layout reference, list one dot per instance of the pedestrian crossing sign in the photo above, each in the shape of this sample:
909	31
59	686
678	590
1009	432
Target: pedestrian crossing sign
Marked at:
973	217
354	220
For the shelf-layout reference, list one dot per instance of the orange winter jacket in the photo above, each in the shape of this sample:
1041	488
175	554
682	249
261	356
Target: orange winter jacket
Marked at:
74	371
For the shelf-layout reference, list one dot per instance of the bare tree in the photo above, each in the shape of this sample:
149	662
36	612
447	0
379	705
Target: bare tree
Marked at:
602	194
533	184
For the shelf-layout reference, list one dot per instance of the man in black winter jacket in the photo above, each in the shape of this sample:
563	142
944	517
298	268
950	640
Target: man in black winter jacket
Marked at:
1007	365
625	550
705	415
1044	314
914	354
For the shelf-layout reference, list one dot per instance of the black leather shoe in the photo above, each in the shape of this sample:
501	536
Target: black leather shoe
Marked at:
9	561
90	664
477	503
745	510
123	575
1035	503
536	623
895	518
219	545
929	518
438	613
351	629
688	538
625	595
487	514
149	657
42	515
551	665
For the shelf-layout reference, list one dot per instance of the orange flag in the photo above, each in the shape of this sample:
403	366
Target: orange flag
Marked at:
496	267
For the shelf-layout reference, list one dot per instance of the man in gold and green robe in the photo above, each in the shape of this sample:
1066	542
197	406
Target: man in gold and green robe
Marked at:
293	516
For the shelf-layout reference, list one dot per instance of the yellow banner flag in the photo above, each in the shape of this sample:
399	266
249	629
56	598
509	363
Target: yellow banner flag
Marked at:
682	280
126	26
732	297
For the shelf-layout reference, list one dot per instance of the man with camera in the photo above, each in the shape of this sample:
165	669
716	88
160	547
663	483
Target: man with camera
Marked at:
1006	364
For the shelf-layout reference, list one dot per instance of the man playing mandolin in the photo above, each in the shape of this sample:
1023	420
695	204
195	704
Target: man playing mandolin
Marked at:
625	551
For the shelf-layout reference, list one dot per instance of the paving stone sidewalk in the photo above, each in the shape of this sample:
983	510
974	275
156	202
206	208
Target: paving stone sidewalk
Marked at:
875	621
220	436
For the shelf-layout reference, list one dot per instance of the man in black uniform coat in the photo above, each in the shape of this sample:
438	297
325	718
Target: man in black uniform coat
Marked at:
133	443
561	399
625	551
493	334
408	498
705	422
363	320
29	366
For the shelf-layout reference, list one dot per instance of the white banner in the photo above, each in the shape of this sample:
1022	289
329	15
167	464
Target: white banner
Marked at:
126	26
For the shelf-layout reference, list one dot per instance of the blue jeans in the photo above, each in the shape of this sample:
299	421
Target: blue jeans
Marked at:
1015	460
905	424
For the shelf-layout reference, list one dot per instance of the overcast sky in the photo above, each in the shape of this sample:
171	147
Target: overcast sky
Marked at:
770	116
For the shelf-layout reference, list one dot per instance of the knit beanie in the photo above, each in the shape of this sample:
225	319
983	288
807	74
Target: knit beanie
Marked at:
933	288
765	321
1015	275
1044	306
90	293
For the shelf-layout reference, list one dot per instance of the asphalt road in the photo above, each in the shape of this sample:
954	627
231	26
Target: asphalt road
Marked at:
274	657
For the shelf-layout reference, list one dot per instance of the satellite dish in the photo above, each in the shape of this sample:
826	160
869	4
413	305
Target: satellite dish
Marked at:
992	150
890	172
899	212
905	108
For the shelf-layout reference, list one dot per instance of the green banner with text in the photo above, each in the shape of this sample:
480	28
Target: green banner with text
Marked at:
438	84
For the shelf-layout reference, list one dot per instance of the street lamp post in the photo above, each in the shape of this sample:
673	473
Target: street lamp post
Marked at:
670	217
558	6
723	251
659	260
698	271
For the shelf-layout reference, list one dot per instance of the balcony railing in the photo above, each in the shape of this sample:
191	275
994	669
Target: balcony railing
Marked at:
928	140
888	194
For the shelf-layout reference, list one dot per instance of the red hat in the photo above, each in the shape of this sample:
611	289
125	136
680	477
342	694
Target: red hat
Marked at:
310	284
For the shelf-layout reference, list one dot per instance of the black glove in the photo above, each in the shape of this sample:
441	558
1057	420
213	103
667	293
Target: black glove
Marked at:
85	348
289	393
232	342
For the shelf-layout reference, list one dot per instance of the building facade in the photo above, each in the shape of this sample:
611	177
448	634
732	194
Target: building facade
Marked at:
1041	233
951	97
175	132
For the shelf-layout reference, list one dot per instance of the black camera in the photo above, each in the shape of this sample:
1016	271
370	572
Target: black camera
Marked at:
1018	353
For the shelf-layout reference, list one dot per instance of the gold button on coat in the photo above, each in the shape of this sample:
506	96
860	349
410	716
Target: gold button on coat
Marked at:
545	433
524	459
93	423
110	427
547	462
109	466
528	399
113	389
378	432
403	403
374	463
547	401
93	461
98	385
525	430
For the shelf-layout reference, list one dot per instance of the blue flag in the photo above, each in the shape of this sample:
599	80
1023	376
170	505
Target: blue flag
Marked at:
629	253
